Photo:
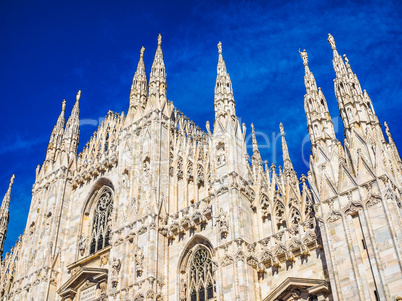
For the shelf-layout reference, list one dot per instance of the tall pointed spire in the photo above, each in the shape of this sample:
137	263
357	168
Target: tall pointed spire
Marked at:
157	78
309	80
56	136
355	107
256	153
138	91
224	103
287	163
319	121
6	200
5	214
337	61
72	131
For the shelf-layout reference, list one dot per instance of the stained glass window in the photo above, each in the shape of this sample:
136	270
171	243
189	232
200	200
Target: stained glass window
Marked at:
101	224
202	283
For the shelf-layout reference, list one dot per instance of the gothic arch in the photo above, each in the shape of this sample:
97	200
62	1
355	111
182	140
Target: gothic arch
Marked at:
294	217
279	211
196	270
88	204
102	186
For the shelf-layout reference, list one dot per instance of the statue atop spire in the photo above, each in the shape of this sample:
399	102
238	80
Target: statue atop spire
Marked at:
304	57
331	41
219	47
159	40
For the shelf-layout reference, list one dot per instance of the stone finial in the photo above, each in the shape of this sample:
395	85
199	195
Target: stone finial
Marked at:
142	52
331	41
11	181
346	59
78	96
387	131
304	56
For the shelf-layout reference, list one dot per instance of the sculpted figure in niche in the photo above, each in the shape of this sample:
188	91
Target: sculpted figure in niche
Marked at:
183	289
223	224
139	259
116	264
82	244
350	115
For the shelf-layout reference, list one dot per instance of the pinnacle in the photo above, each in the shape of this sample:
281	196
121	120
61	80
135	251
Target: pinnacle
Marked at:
6	199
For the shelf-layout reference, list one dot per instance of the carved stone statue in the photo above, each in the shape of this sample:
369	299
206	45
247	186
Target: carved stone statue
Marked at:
139	259
223	224
183	289
304	57
331	41
220	48
159	39
82	244
116	265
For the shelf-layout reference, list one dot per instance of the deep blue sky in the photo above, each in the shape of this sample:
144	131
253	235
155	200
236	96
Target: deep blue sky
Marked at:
51	49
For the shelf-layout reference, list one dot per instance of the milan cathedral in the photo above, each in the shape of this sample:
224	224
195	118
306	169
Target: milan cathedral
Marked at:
155	208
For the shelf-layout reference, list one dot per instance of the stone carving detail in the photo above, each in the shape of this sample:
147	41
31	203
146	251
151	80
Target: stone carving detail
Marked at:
139	260
183	289
265	207
82	244
201	276
116	265
223	224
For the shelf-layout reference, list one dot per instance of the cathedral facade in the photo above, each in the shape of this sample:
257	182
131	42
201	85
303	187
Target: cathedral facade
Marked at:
155	208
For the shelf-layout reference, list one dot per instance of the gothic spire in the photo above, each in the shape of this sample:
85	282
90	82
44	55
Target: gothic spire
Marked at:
355	107
387	131
4	215
287	163
6	200
256	153
138	91
57	134
337	61
309	80
319	123
224	103
157	78
72	131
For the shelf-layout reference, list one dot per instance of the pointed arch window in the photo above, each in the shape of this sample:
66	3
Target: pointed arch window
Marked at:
202	285
101	227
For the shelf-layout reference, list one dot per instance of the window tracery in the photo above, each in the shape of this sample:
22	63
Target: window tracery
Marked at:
101	227
202	285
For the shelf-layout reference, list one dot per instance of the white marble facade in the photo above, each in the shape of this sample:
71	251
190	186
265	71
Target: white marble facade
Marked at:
154	208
